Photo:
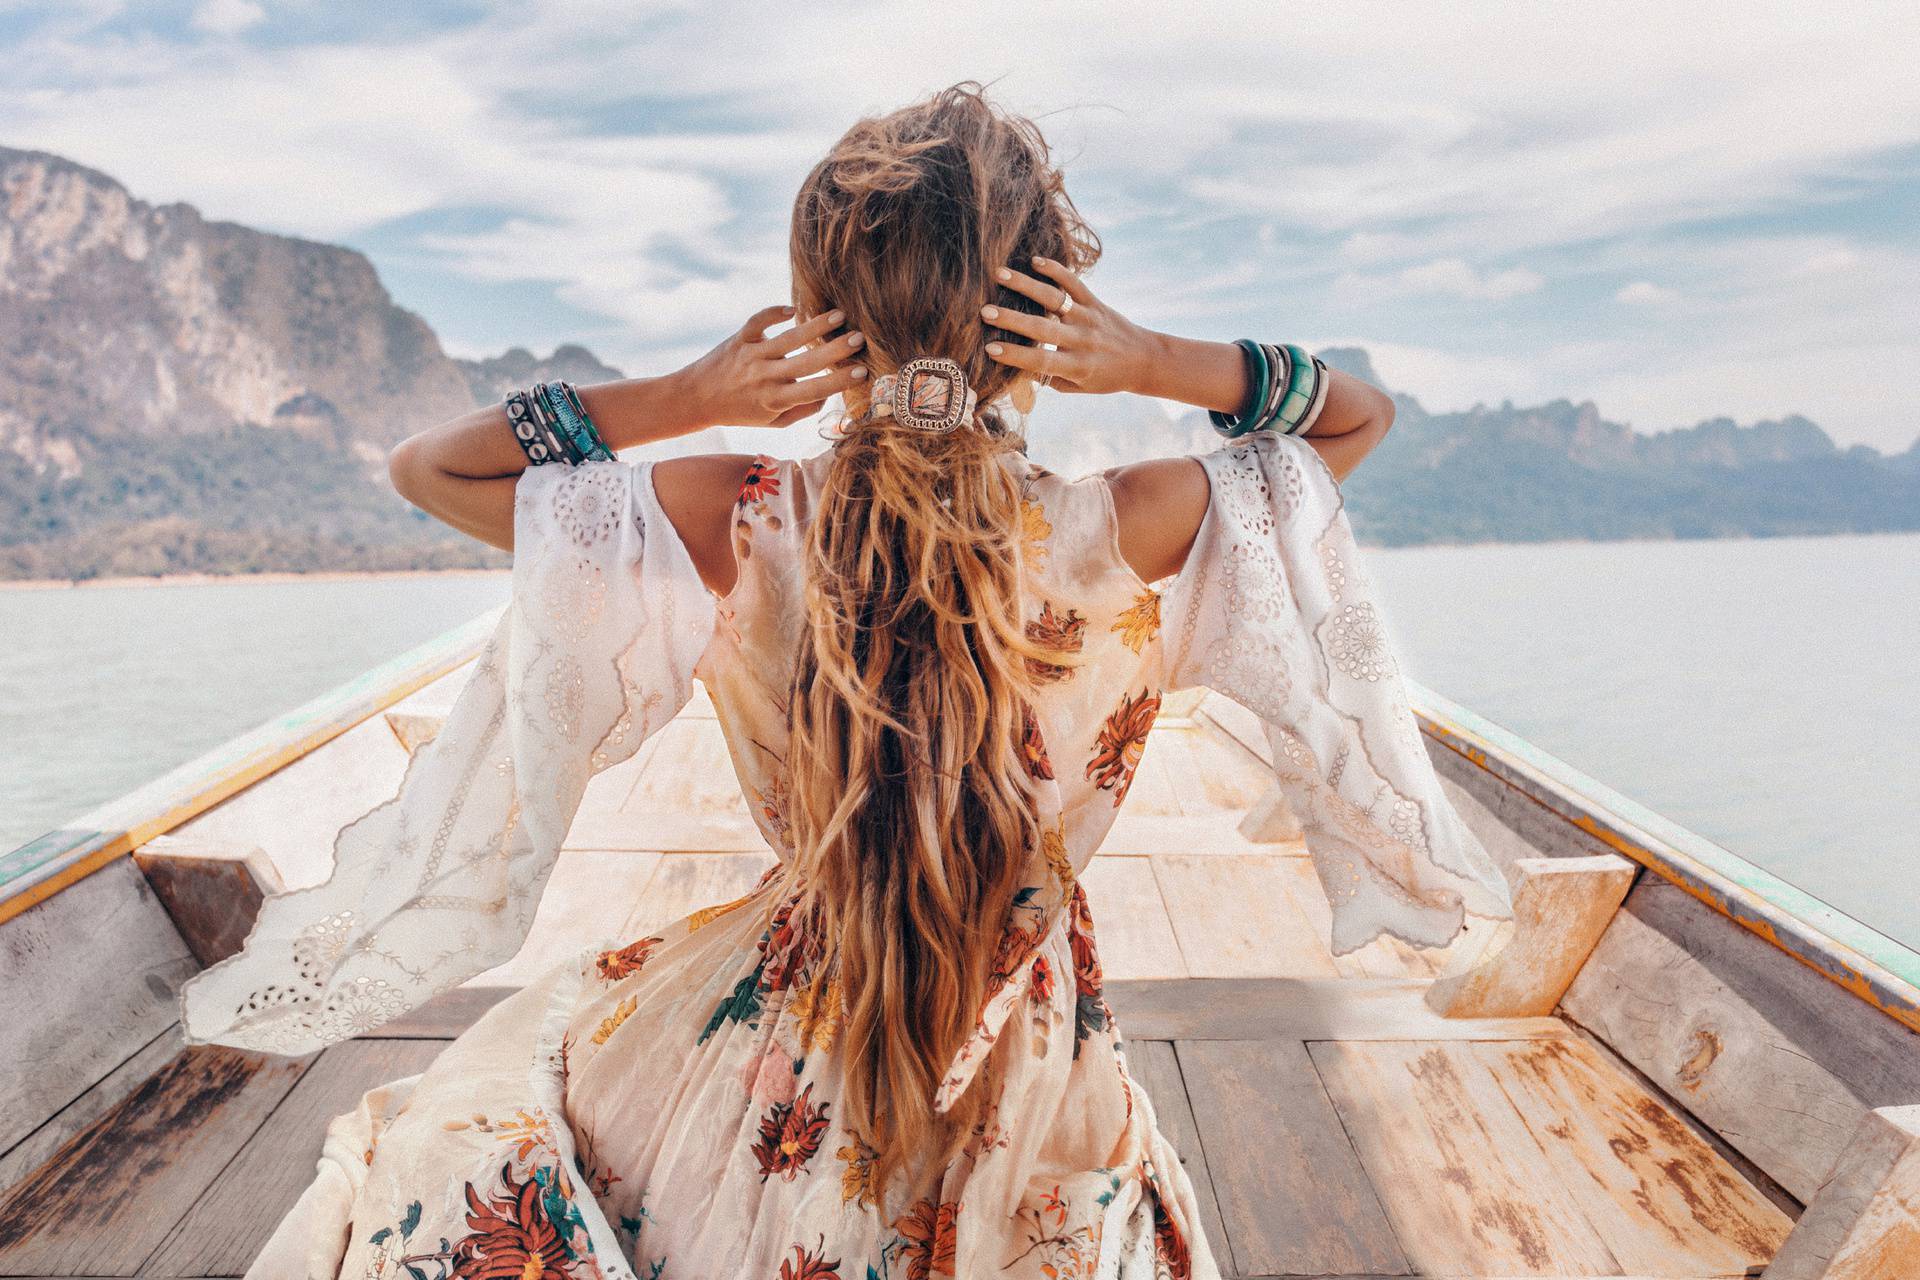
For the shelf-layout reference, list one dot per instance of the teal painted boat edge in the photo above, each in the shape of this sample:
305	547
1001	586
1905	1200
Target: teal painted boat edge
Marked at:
305	727
1873	966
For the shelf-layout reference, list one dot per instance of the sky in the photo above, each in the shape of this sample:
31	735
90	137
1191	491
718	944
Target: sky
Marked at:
1677	211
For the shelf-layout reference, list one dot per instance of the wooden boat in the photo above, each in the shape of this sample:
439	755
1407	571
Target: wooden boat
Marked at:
1680	1067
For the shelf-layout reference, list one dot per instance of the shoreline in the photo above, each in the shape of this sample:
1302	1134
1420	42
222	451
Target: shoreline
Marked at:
217	579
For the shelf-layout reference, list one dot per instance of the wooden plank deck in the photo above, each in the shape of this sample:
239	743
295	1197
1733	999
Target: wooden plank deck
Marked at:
1333	1125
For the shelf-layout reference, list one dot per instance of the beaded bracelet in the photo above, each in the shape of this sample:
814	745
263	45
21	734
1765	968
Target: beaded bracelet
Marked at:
551	425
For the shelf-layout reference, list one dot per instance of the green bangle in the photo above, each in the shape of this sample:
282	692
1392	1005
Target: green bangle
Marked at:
1302	387
1261	375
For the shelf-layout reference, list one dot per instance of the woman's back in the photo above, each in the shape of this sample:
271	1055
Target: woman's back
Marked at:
1079	597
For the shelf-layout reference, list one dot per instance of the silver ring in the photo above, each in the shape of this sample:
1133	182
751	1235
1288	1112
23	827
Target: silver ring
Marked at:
1066	305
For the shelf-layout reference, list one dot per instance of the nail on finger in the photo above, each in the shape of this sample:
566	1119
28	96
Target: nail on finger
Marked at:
991	313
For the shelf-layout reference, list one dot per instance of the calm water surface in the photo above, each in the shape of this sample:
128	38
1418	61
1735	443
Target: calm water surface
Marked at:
1763	693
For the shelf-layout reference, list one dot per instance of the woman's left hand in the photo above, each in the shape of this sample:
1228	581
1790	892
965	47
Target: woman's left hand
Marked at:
1096	349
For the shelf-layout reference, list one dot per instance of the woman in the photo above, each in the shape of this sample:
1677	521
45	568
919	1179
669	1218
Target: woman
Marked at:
935	665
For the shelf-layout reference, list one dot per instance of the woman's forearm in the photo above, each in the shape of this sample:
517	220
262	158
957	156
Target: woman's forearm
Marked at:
464	472
1213	375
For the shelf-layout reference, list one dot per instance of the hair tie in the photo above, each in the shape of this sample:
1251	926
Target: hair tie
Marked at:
926	393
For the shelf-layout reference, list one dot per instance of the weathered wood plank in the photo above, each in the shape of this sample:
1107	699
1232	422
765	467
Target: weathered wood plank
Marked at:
1462	1179
1235	918
107	1199
1152	1064
686	882
1303	1009
443	1017
211	892
1130	920
1384	957
1760	1047
1658	1196
225	1228
1292	1192
586	902
1865	1222
1561	906
41	1145
92	976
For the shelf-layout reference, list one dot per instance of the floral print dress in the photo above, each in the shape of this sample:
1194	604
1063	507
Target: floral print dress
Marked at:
669	1106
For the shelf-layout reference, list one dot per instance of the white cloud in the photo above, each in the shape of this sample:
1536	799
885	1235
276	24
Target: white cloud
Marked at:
228	17
1645	293
1411	147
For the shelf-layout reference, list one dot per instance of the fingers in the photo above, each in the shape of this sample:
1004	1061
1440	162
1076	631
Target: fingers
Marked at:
1040	360
816	391
804	332
1066	279
755	329
1047	295
821	357
1039	328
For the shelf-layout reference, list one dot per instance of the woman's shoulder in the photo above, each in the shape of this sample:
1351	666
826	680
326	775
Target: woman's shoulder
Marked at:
1145	514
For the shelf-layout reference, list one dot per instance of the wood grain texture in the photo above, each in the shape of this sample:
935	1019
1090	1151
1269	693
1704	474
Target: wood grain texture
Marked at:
1292	1192
1213	832
686	882
443	1017
1657	1194
1235	918
92	975
587	901
1768	1053
226	1226
71	1120
1152	1064
1466	1186
104	1203
1865	1222
1130	920
211	892
1561	906
1303	1009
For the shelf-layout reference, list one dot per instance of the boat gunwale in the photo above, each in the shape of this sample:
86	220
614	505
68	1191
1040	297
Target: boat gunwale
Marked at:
1875	968
35	871
1866	963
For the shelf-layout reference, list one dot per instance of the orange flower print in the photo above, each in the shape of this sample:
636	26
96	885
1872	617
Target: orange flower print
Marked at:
1034	532
927	1239
809	1266
1053	848
1042	980
615	965
511	1235
1122	741
790	1133
761	481
792	944
1033	748
1062	635
1139	622
611	1024
858	1181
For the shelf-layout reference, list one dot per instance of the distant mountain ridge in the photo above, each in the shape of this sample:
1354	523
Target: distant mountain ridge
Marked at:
192	395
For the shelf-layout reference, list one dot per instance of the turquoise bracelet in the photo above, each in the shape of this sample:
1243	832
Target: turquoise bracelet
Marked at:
1260	377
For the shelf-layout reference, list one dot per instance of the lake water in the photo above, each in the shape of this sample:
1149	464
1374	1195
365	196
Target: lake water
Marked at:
1762	693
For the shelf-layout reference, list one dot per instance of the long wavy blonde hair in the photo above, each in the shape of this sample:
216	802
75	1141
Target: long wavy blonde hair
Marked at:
912	815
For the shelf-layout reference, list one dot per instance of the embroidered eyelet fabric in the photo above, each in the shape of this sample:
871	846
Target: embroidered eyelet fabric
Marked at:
669	1106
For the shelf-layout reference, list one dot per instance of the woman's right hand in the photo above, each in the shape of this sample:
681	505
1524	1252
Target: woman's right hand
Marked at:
1096	349
751	380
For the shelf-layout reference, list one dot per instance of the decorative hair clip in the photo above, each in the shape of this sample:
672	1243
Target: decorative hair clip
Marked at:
926	393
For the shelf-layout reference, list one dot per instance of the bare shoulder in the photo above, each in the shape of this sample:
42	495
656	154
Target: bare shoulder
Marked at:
1159	506
698	493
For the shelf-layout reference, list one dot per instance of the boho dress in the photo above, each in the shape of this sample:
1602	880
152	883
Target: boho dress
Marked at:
669	1107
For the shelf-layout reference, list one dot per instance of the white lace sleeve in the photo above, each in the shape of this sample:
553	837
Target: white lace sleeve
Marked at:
1271	610
594	652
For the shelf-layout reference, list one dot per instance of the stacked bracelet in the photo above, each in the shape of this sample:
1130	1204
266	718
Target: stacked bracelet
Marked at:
551	425
1288	388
